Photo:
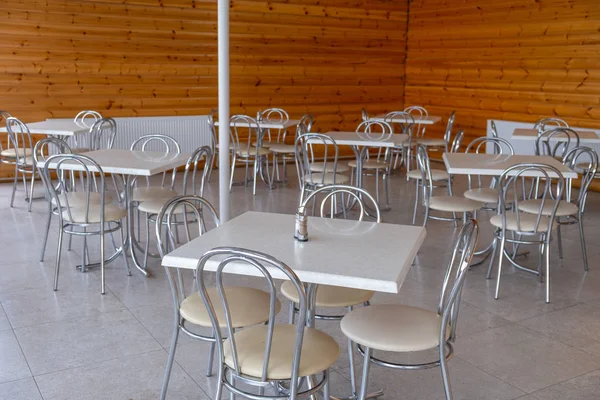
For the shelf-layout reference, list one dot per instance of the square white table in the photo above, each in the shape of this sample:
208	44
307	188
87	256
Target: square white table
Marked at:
496	164
55	127
266	124
131	164
426	120
532	134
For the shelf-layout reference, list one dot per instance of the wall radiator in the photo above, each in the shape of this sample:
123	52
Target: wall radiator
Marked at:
190	132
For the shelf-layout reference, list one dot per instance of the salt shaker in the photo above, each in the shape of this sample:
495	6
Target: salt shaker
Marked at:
301	231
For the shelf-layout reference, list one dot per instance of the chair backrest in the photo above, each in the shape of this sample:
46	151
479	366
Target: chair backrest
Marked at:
265	266
376	130
20	139
455	276
87	118
449	126
556	142
245	131
406	126
498	146
512	189
494	129
305	157
584	160
456	142
425	169
364	114
357	194
307	121
90	178
205	154
545	124
210	119
160	143
418	112
49	146
277	116
3	116
103	134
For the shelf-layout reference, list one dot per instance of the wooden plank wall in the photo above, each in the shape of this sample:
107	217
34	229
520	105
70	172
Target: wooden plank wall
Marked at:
505	59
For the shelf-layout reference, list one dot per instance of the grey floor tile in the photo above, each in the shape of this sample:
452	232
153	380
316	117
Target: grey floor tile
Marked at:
4	323
523	358
129	377
67	344
23	389
13	365
585	387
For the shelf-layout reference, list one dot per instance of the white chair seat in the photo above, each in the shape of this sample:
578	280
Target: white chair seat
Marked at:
112	212
330	296
533	206
152	193
393	327
431	142
154	206
453	204
436	174
78	199
248	307
371	164
245	152
12	153
320	166
527	222
317	178
319	351
79	150
282	148
484	195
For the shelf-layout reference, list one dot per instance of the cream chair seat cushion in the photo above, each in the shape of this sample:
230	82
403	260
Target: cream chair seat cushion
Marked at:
79	150
436	174
154	206
393	327
330	296
484	195
79	199
320	166
282	148
453	204
245	152
533	206
431	142
319	351
112	212
526	222
248	307
318	178
12	153
371	164
144	193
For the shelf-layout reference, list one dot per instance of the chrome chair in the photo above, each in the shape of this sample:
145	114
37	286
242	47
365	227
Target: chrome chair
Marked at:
478	190
404	329
268	354
418	113
102	134
381	161
444	143
214	144
402	154
568	212
288	151
494	129
87	119
556	142
549	123
449	203
22	148
272	136
327	174
82	217
333	297
246	131
247	306
364	114
534	227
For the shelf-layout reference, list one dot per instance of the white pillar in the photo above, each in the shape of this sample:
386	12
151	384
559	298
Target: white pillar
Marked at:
224	168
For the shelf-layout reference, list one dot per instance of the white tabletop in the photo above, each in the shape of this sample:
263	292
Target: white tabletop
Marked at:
494	165
363	255
532	134
362	139
428	120
127	162
267	124
57	127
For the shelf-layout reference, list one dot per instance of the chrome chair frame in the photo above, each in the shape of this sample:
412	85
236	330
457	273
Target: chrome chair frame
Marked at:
448	308
494	129
273	115
304	126
83	118
560	148
404	151
21	141
552	122
102	134
420	112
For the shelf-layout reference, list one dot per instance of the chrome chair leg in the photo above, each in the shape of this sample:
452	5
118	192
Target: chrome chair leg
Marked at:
147	246
559	240
123	251
500	257
351	363
547	270
170	359
365	374
255	173
582	237
31	189
211	358
102	262
48	223
416	201
492	258
58	254
292	311
232	171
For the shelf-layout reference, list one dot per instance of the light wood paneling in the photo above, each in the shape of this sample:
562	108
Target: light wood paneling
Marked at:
504	59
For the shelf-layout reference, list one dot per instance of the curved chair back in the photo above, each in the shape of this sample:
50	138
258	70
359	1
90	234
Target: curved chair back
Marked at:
102	134
159	143
277	116
449	126
87	118
307	121
425	168
494	129
418	112
364	114
457	141
355	194
374	130
585	161
265	266
405	120
498	146
20	139
512	189
556	142
245	131
49	146
545	124
203	153
305	157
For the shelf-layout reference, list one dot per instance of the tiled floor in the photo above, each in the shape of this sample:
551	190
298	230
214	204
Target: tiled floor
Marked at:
77	344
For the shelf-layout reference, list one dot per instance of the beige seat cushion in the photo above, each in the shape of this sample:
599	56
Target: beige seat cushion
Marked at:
144	193
154	206
248	307
317	178
244	152
371	164
330	296
78	199
79	150
12	153
393	327
453	204
527	222
319	351
282	148
431	142
533	206
484	195
436	174
320	166
112	212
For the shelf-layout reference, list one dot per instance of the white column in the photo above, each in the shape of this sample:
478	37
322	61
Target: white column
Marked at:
224	168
